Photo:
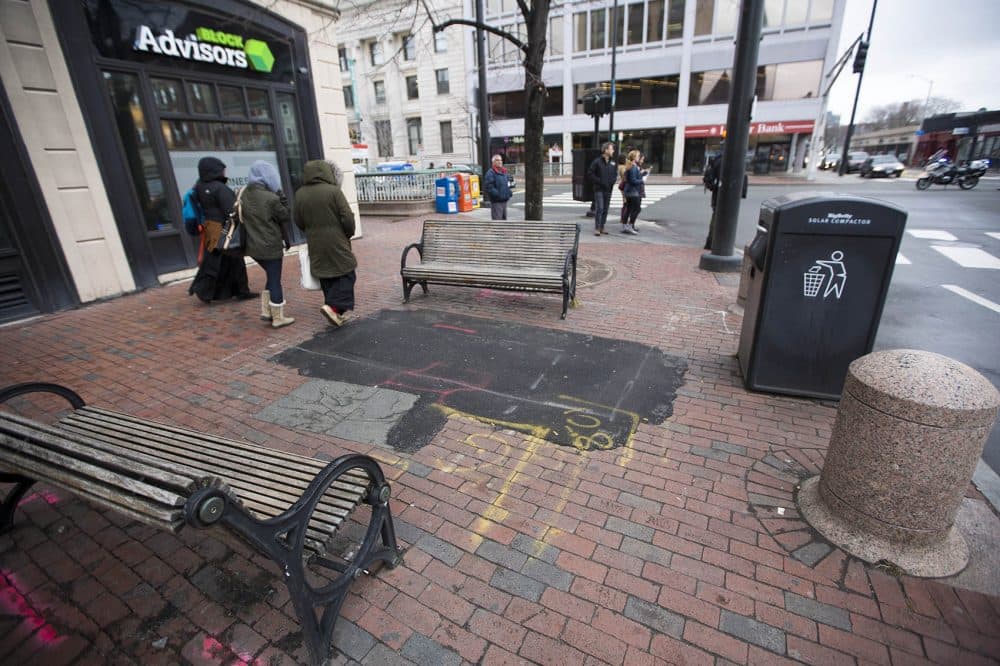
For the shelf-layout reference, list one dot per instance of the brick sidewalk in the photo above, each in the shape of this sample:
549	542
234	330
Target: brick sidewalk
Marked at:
684	547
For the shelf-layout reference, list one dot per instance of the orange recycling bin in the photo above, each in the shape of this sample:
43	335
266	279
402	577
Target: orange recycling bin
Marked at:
477	197
464	193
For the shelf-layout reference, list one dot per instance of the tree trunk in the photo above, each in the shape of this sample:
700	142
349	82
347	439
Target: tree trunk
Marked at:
534	126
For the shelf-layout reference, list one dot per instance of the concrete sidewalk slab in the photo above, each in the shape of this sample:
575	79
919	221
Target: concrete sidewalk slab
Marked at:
683	546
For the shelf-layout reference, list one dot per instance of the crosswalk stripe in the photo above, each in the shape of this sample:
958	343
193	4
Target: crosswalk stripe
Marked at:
975	298
654	193
993	234
901	260
968	257
931	234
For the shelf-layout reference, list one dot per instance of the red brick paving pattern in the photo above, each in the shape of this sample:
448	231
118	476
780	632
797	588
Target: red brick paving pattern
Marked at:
669	551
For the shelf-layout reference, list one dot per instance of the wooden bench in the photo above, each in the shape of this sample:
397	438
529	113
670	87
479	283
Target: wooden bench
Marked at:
515	256
287	506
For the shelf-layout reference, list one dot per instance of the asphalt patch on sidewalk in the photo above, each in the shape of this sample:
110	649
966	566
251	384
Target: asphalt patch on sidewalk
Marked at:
574	390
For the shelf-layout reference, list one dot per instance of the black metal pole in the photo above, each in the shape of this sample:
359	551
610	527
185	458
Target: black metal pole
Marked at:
614	91
721	257
857	93
484	109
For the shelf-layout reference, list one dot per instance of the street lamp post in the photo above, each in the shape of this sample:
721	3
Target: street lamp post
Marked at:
927	103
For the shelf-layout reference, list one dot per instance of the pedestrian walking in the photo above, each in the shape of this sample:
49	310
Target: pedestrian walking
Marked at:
712	178
602	174
322	212
632	191
220	276
265	216
498	189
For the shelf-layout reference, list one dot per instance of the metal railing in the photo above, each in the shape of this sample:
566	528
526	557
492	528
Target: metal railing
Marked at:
395	186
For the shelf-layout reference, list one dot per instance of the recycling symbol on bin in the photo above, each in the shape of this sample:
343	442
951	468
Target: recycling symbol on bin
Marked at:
830	275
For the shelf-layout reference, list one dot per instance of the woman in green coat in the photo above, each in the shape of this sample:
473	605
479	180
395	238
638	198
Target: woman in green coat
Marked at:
322	212
264	212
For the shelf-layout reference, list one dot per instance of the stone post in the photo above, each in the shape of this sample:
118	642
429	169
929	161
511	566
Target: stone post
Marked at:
909	431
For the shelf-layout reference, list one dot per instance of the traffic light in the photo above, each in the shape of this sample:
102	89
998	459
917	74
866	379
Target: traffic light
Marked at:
597	104
860	56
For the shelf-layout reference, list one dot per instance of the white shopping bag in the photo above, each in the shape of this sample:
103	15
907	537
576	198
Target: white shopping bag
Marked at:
307	281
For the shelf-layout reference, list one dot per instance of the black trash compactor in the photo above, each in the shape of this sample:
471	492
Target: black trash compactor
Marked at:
821	267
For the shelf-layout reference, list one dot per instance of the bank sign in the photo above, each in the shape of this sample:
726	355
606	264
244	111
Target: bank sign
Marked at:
207	46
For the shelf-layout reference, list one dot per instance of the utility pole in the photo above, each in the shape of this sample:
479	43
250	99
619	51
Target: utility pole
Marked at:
483	101
721	258
614	87
859	67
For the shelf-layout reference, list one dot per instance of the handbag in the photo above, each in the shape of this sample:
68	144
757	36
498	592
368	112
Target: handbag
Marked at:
308	280
232	240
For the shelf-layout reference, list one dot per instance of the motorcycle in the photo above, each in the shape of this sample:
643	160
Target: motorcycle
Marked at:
945	172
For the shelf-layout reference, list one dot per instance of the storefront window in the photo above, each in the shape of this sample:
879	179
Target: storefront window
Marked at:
137	143
202	97
167	95
260	107
288	125
231	99
513	104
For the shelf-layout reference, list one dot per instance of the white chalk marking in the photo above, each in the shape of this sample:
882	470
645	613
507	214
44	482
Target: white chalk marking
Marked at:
975	298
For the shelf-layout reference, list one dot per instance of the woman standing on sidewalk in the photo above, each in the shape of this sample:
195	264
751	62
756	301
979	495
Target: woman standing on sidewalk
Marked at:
220	276
264	212
632	191
322	212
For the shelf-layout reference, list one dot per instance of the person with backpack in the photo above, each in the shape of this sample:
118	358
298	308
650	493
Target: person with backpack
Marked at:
220	276
712	178
264	213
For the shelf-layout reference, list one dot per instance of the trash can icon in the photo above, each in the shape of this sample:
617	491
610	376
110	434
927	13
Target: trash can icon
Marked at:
812	281
832	272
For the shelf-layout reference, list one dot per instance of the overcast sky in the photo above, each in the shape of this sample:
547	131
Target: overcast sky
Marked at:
954	43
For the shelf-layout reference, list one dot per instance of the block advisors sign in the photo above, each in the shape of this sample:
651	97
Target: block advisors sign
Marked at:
207	45
778	127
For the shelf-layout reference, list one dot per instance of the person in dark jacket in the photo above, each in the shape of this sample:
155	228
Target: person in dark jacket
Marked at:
602	174
498	189
220	276
264	212
712	179
322	212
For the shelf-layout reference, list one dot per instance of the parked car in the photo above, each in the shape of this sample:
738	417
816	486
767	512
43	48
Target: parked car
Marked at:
830	161
855	159
881	165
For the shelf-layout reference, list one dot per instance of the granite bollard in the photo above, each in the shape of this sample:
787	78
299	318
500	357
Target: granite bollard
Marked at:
909	431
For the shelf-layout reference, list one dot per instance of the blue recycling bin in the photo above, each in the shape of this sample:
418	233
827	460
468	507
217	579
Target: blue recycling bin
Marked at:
446	194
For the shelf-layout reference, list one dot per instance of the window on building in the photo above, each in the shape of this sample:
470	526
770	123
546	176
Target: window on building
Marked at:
383	137
379	92
440	42
675	19
556	36
645	93
795	14
411	87
342	55
447	145
703	11
821	11
512	104
727	15
636	19
773	11
616	28
789	80
580	30
444	87
710	87
598	39
409	47
511	53
414	135
348	97
375	53
654	28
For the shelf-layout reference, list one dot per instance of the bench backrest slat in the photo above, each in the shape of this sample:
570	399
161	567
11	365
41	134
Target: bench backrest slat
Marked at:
529	245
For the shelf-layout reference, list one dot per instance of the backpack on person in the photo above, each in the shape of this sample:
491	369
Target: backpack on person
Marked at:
710	177
194	217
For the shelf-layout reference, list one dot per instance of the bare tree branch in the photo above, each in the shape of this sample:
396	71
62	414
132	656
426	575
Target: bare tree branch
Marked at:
503	34
523	6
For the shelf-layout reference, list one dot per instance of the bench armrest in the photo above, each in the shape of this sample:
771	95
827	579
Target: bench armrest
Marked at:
569	265
420	250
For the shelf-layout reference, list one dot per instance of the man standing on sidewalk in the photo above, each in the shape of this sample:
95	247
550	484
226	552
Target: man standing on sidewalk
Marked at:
603	173
498	189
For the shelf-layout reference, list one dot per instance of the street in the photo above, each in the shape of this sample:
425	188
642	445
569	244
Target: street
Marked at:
944	295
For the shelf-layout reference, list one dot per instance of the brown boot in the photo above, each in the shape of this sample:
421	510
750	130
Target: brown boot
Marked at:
278	318
265	305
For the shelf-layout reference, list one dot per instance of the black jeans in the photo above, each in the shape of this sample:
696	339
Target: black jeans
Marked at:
338	292
272	268
632	207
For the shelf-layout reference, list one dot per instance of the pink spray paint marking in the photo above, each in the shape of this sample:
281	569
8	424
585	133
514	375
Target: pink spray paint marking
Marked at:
12	600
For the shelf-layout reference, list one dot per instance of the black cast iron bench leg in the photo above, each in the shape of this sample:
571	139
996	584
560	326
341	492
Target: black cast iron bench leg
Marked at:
283	539
23	483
